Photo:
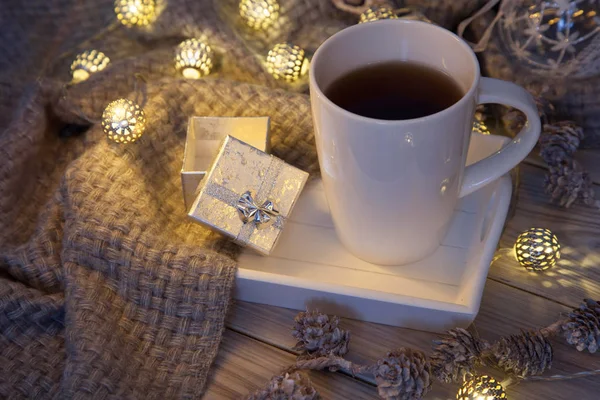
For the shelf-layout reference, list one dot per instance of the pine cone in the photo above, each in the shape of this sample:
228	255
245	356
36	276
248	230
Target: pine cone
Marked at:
294	386
404	374
582	329
545	109
567	183
358	6
480	112
559	141
528	353
318	335
456	355
514	120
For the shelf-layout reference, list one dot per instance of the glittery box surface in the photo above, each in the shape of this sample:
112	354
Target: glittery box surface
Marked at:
237	169
205	135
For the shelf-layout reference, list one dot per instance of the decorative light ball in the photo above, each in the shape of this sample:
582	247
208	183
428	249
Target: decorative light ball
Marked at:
259	14
553	38
123	121
479	124
135	12
376	13
87	63
481	127
287	61
537	249
481	388
193	59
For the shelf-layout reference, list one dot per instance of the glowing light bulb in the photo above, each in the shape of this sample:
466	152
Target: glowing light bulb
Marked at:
87	63
377	13
481	388
123	121
259	14
193	59
135	12
481	128
287	62
537	249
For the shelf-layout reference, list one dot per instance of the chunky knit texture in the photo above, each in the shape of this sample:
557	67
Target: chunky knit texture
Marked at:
106	289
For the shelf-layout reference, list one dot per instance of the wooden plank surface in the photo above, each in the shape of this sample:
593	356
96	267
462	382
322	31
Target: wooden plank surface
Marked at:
505	310
577	274
244	365
258	341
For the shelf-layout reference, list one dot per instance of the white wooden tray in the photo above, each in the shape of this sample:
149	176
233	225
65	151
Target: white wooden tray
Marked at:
311	269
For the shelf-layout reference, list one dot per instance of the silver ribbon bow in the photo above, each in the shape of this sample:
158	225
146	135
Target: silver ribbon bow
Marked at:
253	215
261	215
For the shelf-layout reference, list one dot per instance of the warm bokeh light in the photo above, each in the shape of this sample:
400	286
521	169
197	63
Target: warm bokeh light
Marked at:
376	13
287	62
193	59
87	63
259	14
123	121
481	388
135	12
537	249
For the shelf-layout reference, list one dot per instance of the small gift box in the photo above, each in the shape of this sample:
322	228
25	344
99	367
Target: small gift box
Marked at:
205	135
248	195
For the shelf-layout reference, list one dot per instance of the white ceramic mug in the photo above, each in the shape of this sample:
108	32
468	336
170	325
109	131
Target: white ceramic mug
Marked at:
392	186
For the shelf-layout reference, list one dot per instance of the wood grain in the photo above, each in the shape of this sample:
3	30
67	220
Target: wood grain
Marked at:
577	274
244	365
258	342
504	311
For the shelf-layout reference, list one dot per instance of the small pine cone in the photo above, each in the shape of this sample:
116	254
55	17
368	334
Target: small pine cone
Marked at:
514	120
582	329
289	386
359	6
318	335
569	182
480	112
528	353
559	141
554	155
456	355
404	374
545	109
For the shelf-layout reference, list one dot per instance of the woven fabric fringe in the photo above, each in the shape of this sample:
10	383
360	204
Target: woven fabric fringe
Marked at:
106	290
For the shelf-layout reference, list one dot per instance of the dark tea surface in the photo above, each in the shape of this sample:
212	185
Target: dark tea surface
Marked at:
394	91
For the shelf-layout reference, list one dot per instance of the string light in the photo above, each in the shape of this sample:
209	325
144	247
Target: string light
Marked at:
87	63
481	128
259	14
287	61
123	121
193	59
537	249
481	388
135	12
377	13
479	124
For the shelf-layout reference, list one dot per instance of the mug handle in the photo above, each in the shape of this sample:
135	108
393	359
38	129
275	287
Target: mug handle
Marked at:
485	171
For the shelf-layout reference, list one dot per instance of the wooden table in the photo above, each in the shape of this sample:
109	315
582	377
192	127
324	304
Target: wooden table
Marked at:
257	342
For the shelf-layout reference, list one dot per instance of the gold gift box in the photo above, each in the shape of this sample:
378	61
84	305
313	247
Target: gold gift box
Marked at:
244	178
205	135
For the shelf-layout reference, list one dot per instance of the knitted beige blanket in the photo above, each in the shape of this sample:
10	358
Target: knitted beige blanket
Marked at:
106	289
